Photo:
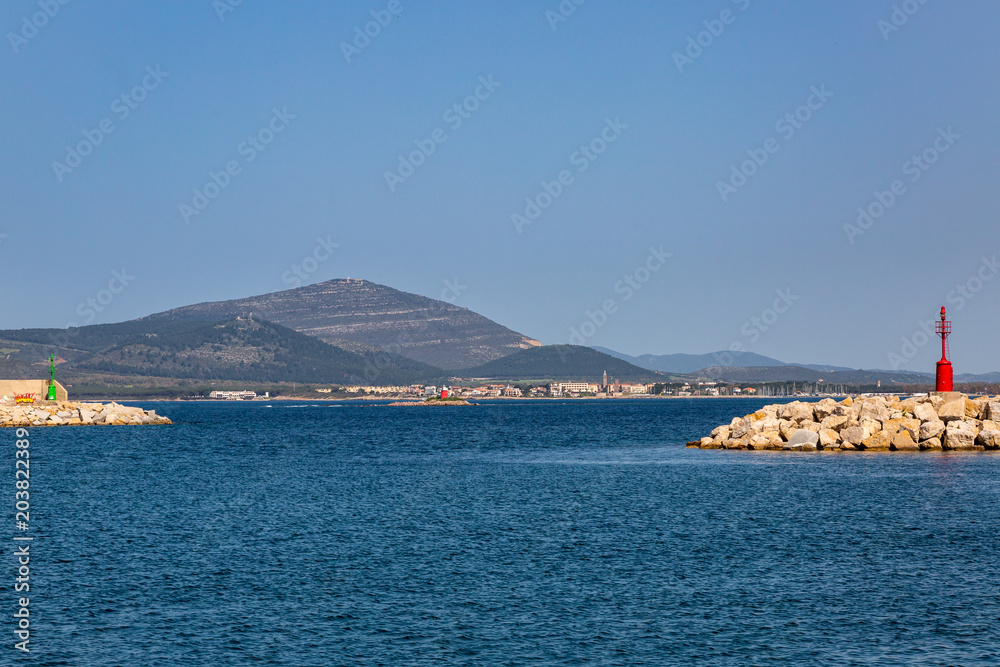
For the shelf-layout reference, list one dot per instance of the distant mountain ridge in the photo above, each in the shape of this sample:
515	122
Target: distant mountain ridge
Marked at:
689	363
750	374
424	329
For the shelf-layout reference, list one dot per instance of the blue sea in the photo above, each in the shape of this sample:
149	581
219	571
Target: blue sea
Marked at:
510	533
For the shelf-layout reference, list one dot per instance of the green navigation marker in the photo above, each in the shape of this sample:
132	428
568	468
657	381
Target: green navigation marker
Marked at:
52	379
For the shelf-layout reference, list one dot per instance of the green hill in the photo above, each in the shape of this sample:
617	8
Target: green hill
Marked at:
429	330
247	350
561	362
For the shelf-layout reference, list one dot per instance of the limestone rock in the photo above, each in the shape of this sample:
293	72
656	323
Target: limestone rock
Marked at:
824	409
871	425
925	412
844	411
903	442
774	440
958	436
931	429
829	439
877	442
891	427
874	411
972	409
854	435
952	409
911	426
992	411
834	422
803	440
796	411
787	428
933	444
719	432
989	439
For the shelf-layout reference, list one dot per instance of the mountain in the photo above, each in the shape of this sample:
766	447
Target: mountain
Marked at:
799	374
561	362
427	330
688	363
250	350
983	377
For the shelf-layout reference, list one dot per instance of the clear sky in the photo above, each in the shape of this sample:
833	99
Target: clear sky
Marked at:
309	129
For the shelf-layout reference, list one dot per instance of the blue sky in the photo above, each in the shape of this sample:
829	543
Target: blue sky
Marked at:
202	84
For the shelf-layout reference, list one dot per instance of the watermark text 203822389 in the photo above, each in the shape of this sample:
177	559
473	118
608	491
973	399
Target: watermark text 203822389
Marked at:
22	546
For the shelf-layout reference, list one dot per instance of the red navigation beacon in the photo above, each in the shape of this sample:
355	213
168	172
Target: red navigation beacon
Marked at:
943	380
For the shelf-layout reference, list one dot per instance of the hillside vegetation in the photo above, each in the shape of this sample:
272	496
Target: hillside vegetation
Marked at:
561	362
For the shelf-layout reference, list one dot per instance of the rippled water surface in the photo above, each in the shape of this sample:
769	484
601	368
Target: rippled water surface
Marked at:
514	533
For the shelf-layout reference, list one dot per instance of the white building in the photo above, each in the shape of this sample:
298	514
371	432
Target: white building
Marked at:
233	395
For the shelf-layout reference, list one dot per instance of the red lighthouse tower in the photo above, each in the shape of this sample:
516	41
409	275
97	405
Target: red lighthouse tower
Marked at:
943	381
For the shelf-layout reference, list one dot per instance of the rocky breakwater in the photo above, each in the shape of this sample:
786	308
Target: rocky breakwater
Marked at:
947	421
77	414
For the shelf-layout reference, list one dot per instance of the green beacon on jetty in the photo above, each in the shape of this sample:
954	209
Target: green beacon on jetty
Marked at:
52	379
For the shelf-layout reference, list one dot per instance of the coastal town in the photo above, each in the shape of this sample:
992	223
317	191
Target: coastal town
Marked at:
555	389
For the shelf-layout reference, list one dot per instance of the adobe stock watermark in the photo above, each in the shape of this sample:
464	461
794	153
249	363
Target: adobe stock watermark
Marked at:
900	16
30	25
562	12
452	290
787	126
915	168
581	159
714	28
249	149
381	18
957	298
299	274
223	7
758	325
122	107
376	363
89	308
454	116
627	287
